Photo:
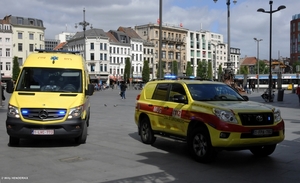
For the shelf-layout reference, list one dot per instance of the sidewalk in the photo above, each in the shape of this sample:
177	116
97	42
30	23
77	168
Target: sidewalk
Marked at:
290	99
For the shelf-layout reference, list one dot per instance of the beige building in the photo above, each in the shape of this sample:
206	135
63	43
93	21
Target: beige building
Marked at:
28	35
173	45
6	45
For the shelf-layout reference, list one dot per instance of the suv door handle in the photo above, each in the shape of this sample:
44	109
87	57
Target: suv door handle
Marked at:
150	105
166	107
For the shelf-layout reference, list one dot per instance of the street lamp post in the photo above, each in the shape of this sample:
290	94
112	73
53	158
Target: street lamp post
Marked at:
228	30
84	24
270	53
257	40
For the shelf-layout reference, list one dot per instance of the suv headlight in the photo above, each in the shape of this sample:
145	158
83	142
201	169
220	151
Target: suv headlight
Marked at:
75	112
13	112
277	115
226	116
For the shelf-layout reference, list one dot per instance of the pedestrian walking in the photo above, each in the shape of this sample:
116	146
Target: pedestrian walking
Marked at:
3	97
123	87
298	92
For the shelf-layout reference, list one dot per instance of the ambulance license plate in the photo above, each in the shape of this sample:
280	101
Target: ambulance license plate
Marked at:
42	132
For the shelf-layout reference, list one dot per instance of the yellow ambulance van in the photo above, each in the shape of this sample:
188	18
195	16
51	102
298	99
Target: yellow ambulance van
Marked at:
50	98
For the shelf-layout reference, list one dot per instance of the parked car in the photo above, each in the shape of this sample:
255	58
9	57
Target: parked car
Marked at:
209	116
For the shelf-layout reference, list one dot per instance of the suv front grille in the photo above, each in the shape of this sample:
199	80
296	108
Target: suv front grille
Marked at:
41	114
256	119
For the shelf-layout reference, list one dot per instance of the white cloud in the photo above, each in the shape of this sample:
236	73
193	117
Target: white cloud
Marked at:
245	24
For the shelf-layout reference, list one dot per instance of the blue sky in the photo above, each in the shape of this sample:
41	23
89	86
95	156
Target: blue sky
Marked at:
245	23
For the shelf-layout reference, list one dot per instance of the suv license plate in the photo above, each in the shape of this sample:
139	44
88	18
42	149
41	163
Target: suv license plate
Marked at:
262	132
43	132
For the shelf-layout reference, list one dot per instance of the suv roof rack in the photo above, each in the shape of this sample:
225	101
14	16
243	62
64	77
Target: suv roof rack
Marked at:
56	51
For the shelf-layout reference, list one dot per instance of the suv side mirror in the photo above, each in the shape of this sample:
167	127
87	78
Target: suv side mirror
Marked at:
179	99
245	97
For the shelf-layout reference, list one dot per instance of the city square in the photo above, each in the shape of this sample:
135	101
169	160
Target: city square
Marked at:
114	152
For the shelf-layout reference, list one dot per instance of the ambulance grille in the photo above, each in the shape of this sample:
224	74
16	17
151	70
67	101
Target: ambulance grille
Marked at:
41	114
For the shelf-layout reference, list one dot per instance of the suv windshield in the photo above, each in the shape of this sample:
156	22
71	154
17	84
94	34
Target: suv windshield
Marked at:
50	80
213	92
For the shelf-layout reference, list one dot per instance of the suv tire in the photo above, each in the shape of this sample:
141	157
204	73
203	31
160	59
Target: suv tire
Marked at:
199	144
263	151
146	132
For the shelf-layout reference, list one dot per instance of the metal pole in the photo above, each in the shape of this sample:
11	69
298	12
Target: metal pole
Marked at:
257	41
228	32
84	28
160	39
270	55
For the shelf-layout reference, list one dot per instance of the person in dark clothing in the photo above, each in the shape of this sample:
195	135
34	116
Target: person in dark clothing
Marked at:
123	87
3	97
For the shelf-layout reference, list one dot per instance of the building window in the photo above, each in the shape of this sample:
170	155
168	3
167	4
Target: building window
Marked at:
7	66
31	47
20	61
7	40
105	56
0	52
101	67
101	46
20	47
92	56
7	52
31	36
105	46
20	35
101	56
92	46
31	22
20	21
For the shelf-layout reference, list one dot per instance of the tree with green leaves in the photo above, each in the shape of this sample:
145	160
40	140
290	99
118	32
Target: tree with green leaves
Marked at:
146	72
127	69
262	68
209	71
16	69
175	68
189	69
160	69
202	69
244	70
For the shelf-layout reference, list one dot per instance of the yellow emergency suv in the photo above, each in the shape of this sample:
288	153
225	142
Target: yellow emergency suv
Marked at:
50	98
209	116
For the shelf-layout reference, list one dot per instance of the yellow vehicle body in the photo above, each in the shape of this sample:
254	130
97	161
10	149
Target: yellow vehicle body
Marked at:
173	110
50	98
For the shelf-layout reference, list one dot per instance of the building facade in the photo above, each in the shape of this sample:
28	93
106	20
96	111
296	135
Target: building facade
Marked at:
6	45
173	45
206	46
28	35
295	39
93	45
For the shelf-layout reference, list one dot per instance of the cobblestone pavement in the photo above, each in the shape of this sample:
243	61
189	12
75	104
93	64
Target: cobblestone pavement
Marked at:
114	152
